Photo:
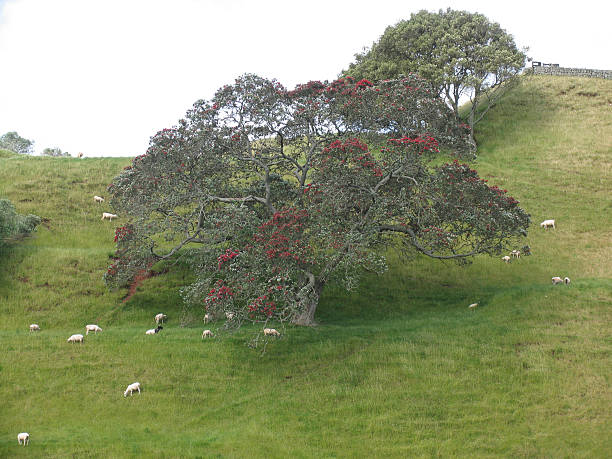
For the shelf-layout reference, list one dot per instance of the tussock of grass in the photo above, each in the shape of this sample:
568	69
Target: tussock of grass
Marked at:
398	368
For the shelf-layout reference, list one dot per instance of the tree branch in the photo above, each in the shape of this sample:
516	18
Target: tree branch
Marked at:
420	248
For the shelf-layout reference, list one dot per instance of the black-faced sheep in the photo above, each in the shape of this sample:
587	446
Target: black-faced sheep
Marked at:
153	331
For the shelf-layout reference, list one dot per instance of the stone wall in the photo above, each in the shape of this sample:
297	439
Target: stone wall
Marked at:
565	71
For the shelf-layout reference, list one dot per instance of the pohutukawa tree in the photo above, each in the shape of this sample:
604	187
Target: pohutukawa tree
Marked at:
275	193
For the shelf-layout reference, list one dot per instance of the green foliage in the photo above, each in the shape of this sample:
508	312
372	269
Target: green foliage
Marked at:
14	142
12	224
456	51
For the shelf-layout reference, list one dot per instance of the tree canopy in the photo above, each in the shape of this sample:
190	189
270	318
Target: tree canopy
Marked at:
458	52
14	142
273	193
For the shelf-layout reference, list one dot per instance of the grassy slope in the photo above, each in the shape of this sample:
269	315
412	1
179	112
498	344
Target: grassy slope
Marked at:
398	368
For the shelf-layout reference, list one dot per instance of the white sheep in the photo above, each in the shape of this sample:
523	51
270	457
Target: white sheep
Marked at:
567	280
473	305
93	328
229	315
153	331
24	438
557	280
34	327
98	199
160	318
271	332
208	318
78	338
131	388
547	224
506	259
207	334
109	216
515	254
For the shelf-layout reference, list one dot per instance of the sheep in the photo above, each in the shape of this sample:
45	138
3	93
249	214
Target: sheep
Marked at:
271	332
109	216
566	280
207	334
24	438
93	328
208	318
34	327
547	224
229	315
131	388
557	280
98	199
473	305
153	331
515	254
78	338
506	259
160	318
80	155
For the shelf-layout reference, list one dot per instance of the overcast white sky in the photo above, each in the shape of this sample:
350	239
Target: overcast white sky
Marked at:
101	77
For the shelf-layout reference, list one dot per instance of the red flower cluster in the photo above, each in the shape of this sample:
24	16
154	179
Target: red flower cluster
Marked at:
261	304
229	254
219	292
122	232
425	143
280	237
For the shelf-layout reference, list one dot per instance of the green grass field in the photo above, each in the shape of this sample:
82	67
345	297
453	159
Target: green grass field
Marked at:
398	368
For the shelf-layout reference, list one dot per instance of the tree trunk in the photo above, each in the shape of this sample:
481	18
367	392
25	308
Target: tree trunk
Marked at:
309	302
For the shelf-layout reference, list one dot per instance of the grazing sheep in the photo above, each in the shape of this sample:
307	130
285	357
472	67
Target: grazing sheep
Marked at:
153	331
557	280
567	280
24	438
207	334
99	199
229	315
548	224
160	318
131	388
93	328
515	254
271	332
80	155
506	259
78	338
109	216
208	318
473	305
34	327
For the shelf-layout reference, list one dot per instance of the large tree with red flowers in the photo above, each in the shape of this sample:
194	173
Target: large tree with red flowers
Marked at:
272	194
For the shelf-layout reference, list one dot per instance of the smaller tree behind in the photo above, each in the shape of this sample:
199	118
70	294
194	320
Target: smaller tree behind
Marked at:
56	152
459	53
14	142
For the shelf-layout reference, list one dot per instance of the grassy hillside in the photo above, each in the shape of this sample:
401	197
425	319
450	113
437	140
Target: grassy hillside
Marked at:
398	368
